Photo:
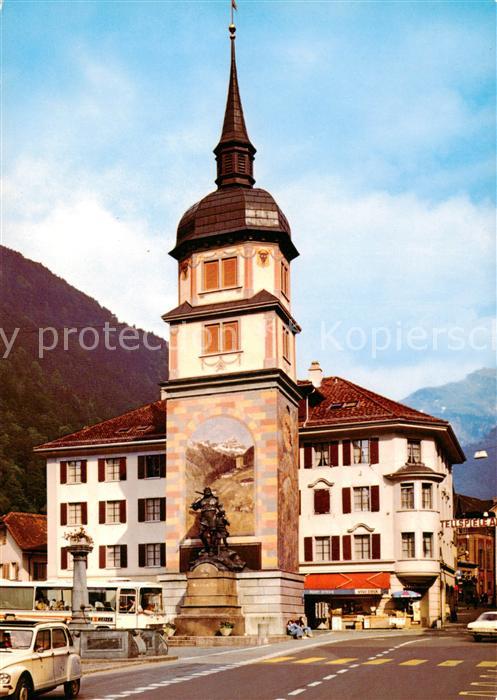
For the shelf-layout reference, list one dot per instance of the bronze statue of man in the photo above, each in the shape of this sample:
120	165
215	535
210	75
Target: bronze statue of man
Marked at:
208	505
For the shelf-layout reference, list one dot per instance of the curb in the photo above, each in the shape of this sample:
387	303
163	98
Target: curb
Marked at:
123	664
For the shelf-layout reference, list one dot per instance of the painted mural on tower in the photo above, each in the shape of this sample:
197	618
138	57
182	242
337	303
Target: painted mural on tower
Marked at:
220	454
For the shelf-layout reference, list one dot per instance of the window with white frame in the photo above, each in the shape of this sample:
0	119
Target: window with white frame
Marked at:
362	501
360	451
113	558
152	554
321	455
112	469
407	496
362	547
322	548
153	466
74	514
428	545
152	509
408	545
414	451
74	472
427	496
112	511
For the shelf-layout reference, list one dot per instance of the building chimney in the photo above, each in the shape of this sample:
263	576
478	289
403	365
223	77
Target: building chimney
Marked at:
315	374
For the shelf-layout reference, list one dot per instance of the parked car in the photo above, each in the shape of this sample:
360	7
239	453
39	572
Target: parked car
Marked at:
484	626
37	656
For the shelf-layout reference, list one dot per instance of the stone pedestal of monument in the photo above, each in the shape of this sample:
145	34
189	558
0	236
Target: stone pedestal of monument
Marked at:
211	598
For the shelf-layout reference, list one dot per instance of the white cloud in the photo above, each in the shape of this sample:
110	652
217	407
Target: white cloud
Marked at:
119	263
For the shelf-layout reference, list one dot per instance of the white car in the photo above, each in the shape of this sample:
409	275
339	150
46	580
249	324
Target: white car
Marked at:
35	657
484	626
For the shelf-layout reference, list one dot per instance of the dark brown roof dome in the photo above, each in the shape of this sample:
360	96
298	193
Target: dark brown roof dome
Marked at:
232	214
236	211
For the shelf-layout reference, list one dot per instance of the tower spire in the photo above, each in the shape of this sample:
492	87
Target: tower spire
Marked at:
234	152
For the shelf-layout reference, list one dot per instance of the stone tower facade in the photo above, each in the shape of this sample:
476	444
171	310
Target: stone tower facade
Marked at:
232	396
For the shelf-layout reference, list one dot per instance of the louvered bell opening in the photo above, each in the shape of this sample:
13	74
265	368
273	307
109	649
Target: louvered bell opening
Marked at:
228	163
242	163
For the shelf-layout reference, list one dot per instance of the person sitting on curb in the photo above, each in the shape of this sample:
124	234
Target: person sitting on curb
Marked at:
302	623
294	630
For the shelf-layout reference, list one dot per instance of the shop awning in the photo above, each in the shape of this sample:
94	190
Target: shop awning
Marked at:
372	583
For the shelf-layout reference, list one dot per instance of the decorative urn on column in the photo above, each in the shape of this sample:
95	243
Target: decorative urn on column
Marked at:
80	545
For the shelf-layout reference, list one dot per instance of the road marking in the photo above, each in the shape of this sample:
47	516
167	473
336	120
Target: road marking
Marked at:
312	685
492	685
353	665
310	660
476	694
328	678
451	662
341	662
487	664
413	662
277	659
376	662
484	676
343	670
297	692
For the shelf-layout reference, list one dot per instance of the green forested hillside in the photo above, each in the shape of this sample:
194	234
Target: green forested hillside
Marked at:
42	398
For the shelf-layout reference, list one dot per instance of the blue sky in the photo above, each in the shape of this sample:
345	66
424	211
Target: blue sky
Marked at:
375	129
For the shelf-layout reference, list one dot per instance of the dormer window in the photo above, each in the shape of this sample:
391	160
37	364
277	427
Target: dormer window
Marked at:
219	274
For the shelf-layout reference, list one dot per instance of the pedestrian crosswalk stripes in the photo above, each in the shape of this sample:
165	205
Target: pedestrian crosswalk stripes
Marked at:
451	662
413	662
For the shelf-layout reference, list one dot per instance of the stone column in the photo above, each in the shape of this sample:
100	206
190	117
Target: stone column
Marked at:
80	602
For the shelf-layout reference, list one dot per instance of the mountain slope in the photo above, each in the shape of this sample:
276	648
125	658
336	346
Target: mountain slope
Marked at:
478	477
469	405
43	397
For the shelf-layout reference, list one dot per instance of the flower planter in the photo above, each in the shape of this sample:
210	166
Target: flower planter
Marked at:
226	631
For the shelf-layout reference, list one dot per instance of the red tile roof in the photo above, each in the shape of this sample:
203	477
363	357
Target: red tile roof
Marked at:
29	530
339	401
145	423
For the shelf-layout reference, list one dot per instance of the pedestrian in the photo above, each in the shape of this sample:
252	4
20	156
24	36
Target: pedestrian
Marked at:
294	630
306	630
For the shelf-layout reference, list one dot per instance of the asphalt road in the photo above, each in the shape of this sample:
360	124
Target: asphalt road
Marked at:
396	667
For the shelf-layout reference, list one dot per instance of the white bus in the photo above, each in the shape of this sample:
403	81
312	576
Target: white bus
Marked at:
119	604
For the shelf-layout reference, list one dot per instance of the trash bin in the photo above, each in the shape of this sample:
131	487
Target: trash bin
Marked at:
336	623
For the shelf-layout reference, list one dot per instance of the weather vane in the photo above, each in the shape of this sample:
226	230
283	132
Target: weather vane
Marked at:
233	8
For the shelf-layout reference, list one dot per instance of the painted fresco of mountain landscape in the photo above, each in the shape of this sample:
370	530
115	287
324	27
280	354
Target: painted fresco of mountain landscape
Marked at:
220	454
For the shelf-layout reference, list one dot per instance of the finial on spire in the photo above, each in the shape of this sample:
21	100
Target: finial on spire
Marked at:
234	6
234	152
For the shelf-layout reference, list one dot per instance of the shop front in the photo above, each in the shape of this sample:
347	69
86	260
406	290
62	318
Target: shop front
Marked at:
354	598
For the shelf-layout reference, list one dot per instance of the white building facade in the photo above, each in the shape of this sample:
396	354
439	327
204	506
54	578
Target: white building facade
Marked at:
375	481
113	486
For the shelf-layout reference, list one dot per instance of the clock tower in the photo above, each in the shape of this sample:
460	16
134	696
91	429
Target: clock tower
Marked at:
232	395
